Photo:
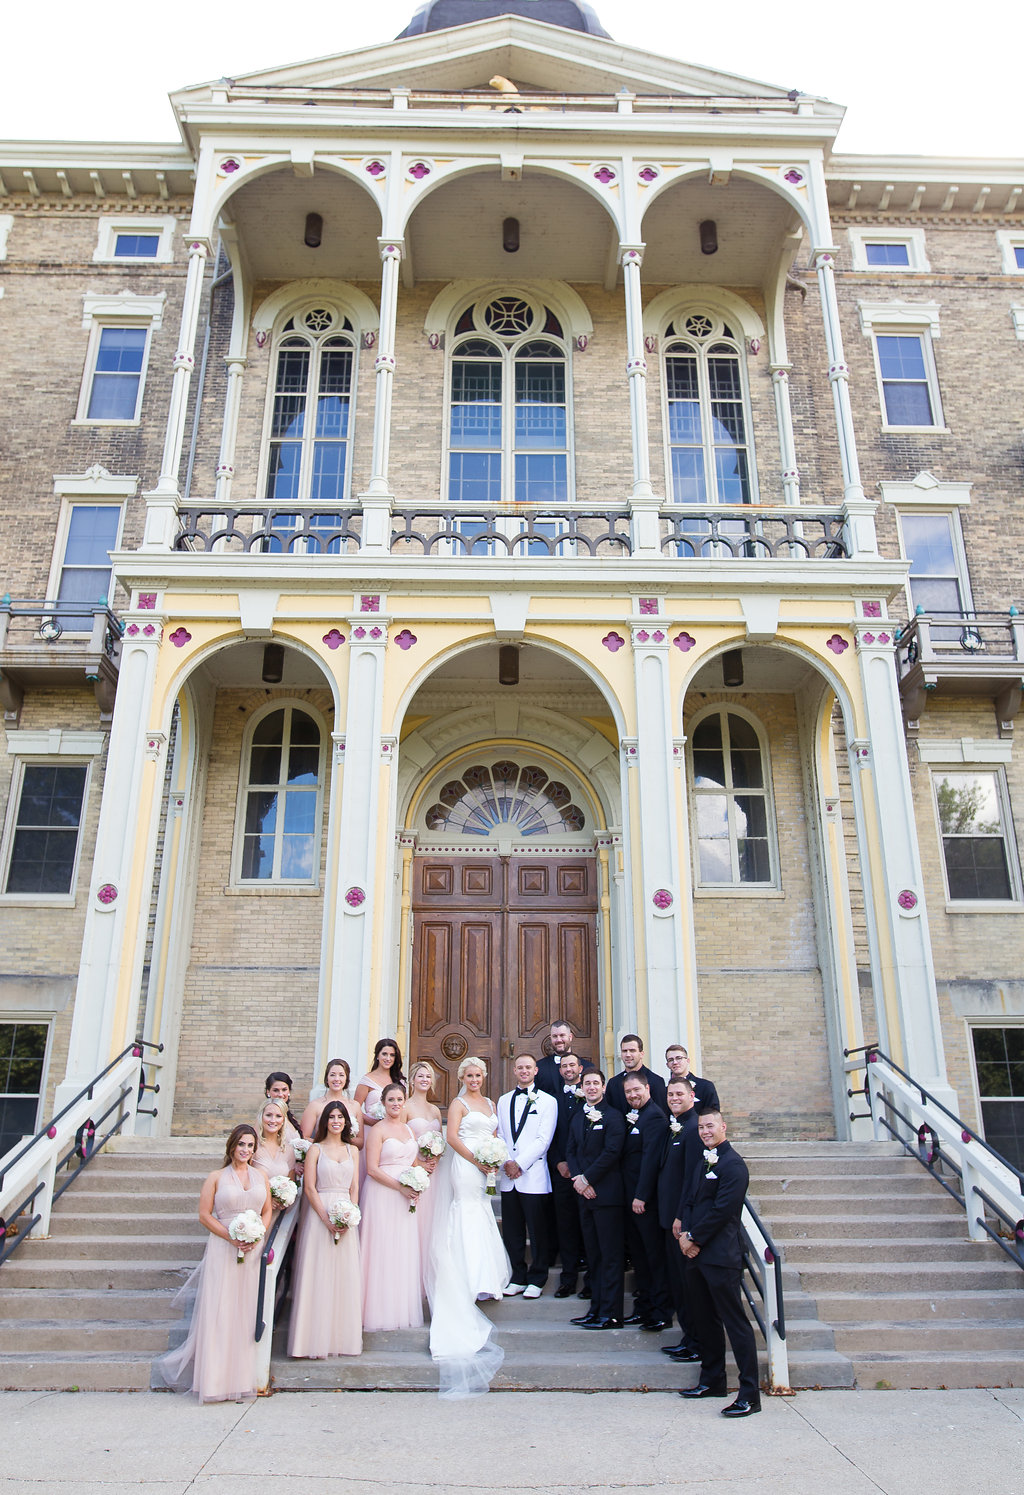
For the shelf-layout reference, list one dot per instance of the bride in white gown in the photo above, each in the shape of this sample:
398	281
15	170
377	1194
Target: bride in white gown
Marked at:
467	1259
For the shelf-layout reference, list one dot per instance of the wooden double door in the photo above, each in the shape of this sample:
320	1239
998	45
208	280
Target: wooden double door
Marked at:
502	945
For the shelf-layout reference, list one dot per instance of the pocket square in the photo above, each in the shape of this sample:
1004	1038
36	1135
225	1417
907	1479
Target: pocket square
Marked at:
711	1175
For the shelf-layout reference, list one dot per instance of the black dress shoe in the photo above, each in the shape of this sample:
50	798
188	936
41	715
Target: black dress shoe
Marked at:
586	1320
702	1389
634	1318
584	1293
670	1349
683	1357
563	1292
655	1326
741	1408
607	1324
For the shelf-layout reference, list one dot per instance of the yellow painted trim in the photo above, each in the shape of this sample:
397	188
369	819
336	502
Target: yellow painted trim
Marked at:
119	1034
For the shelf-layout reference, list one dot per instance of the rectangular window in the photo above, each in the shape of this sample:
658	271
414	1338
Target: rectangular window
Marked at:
44	845
136	246
999	1064
84	577
904	368
976	848
894	253
120	355
22	1062
933	545
1018	256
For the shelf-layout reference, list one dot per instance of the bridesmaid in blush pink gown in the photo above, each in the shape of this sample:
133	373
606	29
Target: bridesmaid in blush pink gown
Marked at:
217	1361
421	1115
389	1244
327	1291
386	1069
274	1154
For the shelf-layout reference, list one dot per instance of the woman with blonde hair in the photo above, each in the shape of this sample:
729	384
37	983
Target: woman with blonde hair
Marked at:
273	1153
422	1116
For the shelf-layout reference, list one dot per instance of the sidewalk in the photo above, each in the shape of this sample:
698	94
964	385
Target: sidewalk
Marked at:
842	1442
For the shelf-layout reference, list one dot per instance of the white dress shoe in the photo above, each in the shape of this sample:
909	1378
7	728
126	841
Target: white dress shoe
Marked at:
532	1291
514	1289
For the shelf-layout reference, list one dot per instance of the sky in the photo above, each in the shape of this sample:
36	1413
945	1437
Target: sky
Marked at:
916	80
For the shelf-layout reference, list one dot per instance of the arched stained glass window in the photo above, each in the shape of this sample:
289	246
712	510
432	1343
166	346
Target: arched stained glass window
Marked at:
502	799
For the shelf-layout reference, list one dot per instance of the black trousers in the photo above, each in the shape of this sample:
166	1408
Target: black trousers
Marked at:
568	1230
675	1275
603	1237
647	1253
522	1215
716	1302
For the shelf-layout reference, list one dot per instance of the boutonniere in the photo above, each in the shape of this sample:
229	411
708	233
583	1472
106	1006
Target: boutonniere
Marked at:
675	1126
631	1117
592	1114
531	1099
710	1159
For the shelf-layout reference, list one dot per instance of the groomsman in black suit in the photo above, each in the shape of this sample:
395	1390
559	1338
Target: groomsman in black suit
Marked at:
680	1172
646	1130
704	1093
711	1242
596	1136
568	1230
632	1050
549	1068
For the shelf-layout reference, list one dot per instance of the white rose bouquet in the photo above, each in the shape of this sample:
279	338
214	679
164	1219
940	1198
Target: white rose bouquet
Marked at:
431	1145
491	1152
376	1111
353	1121
283	1191
300	1146
414	1178
343	1215
246	1228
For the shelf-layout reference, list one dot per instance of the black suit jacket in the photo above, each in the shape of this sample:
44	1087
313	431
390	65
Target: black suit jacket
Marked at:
615	1095
595	1151
568	1105
681	1159
713	1215
548	1076
705	1096
641	1155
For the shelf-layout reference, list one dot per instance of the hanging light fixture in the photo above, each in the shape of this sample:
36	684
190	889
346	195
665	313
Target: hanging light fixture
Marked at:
273	664
732	667
508	664
709	236
314	231
510	235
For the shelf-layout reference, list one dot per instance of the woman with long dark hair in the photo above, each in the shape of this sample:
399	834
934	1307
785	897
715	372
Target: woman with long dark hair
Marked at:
327	1291
337	1077
386	1069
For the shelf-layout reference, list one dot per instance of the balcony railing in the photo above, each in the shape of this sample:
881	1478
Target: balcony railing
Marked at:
698	532
57	644
962	654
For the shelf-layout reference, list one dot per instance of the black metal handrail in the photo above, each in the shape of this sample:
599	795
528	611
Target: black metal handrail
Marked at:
85	1147
773	1258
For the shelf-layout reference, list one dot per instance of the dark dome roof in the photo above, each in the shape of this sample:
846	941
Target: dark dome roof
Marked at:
438	15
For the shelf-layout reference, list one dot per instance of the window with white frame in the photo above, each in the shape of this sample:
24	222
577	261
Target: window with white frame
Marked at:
141	236
933	544
23	1047
120	334
310	408
81	572
999	1066
734	822
281	796
902	337
707	421
1011	249
883	250
975	825
509	426
44	822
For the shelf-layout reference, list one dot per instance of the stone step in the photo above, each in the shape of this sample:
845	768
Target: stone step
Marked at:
97	1336
150	1183
943	1369
853	1206
868	1338
104	1245
838	1167
75	1306
71	1371
834	1151
867	1227
113	1274
916	1185
122	1226
825	1249
952	1307
894	1277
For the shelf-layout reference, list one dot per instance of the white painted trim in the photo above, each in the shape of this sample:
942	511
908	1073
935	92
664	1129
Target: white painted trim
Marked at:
926	490
1017	317
51	900
97	319
677	299
6	224
459	294
963	575
1008	240
162	225
290	298
880	319
60	540
123	306
95	482
1009	837
55	742
913	238
878	316
953	750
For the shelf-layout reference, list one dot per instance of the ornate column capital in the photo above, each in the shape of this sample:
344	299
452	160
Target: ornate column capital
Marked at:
391	249
632	255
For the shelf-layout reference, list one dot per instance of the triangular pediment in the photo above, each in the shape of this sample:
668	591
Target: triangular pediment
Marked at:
532	54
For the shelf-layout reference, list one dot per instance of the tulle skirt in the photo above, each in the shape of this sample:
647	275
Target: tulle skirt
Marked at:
217	1359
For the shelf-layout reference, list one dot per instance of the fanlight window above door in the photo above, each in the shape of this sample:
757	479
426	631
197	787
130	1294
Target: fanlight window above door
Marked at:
503	799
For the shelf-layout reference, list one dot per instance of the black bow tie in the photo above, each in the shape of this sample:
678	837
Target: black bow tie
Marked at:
522	1089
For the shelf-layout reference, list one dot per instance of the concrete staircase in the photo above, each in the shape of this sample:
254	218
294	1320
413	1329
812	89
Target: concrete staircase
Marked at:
881	1287
883	1253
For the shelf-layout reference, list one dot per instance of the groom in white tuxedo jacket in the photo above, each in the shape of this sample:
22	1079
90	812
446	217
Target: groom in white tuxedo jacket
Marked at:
526	1125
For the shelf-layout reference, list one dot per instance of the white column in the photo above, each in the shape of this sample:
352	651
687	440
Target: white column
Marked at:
236	363
839	374
897	918
787	441
631	259
345	1021
660	893
122	871
184	363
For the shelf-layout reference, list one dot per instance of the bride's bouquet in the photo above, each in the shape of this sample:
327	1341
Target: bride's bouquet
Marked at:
246	1228
283	1191
491	1152
431	1145
414	1178
343	1215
